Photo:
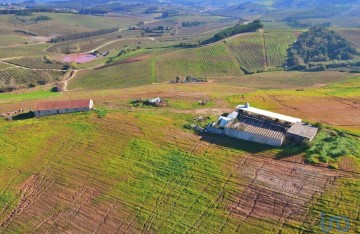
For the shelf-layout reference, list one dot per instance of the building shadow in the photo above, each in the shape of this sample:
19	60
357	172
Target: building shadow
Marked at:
285	151
24	116
228	142
289	150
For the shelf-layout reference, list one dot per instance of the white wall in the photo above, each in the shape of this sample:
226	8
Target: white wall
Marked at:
60	111
253	137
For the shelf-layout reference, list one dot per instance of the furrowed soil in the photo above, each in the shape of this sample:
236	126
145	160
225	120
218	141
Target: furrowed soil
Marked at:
135	169
139	171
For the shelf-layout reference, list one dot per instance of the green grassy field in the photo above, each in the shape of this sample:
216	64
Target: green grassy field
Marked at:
344	88
340	201
276	45
183	174
91	22
123	168
20	51
144	165
119	76
63	23
26	96
249	50
260	51
204	62
286	80
10	39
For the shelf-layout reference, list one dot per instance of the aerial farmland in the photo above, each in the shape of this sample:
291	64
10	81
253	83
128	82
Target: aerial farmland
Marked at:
104	111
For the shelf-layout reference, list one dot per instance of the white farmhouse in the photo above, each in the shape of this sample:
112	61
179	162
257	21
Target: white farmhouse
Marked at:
261	126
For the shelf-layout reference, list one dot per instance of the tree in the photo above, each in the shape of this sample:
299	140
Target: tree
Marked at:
237	29
319	45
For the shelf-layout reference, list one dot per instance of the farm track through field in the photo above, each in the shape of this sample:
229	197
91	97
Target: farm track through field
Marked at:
65	82
265	51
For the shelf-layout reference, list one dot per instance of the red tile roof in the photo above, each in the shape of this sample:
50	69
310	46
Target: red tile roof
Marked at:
58	105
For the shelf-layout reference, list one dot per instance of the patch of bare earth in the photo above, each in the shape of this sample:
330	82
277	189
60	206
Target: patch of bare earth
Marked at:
336	111
278	190
78	213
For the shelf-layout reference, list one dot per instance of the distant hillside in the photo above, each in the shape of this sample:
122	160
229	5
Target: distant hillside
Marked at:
320	48
312	3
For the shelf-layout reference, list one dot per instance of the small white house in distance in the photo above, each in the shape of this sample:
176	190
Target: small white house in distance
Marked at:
62	107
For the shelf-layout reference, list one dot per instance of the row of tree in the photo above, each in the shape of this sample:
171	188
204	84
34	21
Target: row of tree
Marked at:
237	29
192	24
75	36
28	12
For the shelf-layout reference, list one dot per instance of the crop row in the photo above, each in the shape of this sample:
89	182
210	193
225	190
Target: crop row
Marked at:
276	47
4	66
118	76
22	78
214	60
249	50
37	63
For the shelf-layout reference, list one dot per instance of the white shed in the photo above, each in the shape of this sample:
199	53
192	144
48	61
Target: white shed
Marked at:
62	107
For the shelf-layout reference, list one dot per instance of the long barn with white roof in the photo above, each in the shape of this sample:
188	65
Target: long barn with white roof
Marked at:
261	126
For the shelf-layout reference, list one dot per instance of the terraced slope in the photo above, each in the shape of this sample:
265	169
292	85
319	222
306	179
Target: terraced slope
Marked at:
260	51
118	76
204	62
36	63
22	78
249	51
276	45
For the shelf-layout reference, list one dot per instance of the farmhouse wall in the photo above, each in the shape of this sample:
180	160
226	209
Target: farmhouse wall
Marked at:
253	137
297	138
60	111
210	129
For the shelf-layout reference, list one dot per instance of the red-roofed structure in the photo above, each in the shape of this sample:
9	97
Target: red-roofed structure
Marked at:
62	107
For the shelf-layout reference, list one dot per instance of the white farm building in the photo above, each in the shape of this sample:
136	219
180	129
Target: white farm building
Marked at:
261	126
62	107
